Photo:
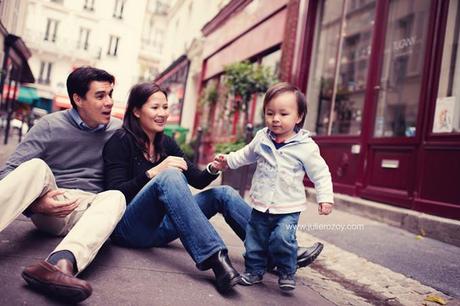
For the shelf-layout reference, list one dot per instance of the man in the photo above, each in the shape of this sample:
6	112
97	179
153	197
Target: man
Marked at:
55	177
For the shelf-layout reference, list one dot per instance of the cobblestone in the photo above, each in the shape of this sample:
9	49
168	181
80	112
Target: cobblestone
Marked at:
345	278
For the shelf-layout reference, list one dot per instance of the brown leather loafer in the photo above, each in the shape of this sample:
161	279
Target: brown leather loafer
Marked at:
49	280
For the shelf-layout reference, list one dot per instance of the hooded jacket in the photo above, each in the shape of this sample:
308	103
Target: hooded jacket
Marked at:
277	184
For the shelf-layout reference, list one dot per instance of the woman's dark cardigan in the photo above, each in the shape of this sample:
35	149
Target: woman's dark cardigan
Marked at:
125	165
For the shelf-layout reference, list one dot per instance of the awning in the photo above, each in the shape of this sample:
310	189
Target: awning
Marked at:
62	102
19	53
27	95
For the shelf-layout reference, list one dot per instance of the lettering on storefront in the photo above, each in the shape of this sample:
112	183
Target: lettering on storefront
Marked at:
401	46
403	43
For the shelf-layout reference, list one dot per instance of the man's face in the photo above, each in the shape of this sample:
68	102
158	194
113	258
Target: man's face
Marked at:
95	107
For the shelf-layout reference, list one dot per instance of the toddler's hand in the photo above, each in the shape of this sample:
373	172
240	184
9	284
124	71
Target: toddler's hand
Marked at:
325	208
220	162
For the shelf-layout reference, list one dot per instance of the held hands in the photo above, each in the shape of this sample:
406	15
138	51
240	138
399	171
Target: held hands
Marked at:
220	162
325	208
170	162
49	204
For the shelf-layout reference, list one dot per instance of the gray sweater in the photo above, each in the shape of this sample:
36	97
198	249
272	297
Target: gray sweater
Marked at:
74	155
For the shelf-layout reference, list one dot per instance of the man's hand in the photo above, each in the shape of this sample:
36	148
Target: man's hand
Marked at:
325	208
49	205
220	162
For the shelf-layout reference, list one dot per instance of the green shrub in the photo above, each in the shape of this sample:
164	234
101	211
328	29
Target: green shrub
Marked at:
227	147
188	150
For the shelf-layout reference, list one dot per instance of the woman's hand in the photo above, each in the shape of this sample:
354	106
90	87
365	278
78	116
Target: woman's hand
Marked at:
171	162
220	162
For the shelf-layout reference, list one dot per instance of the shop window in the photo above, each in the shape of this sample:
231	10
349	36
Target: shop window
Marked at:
221	123
338	75
44	75
83	39
113	45
51	29
401	72
118	9
271	60
447	111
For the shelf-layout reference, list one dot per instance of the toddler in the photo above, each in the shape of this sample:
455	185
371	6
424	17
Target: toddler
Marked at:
284	152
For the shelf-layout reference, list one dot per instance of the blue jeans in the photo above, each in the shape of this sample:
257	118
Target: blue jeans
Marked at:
274	236
165	210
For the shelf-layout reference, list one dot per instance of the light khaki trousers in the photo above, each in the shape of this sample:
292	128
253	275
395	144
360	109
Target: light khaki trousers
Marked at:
85	229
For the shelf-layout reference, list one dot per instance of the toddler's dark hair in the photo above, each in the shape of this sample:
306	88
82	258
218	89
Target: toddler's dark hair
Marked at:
283	87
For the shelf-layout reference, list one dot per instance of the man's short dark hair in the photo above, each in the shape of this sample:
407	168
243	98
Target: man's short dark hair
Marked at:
78	81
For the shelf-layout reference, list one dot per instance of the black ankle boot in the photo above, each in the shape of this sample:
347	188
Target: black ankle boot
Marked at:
226	275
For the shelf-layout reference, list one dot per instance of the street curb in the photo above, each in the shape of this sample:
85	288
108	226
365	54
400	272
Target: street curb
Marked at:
435	227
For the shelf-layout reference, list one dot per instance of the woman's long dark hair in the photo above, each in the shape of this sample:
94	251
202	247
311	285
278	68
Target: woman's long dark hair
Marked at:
138	96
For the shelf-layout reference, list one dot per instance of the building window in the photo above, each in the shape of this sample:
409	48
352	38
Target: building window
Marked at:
157	41
44	76
113	45
147	73
83	39
338	76
271	60
51	29
447	111
89	5
118	9
158	7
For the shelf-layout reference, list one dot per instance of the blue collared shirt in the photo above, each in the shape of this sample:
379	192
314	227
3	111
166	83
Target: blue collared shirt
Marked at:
82	125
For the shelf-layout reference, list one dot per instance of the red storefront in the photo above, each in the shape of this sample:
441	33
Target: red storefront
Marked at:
382	80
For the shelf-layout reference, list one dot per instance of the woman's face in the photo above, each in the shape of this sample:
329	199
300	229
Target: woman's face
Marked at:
153	114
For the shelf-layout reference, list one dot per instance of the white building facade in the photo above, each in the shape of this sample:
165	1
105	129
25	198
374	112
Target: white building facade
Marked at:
108	34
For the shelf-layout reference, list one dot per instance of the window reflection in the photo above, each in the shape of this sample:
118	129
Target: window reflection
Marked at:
336	88
401	72
447	110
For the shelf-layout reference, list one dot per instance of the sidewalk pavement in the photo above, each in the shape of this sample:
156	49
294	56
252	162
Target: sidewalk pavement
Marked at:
426	225
167	276
119	276
157	276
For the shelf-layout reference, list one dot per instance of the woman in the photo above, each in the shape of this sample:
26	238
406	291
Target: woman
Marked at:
149	169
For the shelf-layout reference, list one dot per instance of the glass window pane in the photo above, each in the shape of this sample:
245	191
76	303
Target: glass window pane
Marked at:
271	60
340	85
447	111
401	72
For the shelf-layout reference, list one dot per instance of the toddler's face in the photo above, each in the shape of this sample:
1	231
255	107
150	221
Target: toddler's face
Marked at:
281	115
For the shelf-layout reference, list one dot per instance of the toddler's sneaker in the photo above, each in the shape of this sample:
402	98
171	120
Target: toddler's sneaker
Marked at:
286	282
249	279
